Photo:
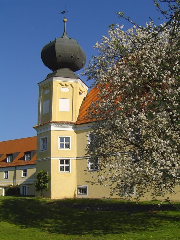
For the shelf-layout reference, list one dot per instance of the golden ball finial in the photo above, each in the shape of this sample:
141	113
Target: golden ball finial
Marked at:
65	20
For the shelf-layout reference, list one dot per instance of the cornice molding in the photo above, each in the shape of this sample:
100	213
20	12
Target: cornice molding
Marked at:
57	158
55	126
61	79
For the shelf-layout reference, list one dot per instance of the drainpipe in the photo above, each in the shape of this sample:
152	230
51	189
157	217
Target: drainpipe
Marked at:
14	177
72	101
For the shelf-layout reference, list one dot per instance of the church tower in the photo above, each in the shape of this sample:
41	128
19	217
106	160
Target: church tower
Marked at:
60	96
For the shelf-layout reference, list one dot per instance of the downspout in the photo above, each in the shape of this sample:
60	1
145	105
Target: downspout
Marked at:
72	100
40	107
14	177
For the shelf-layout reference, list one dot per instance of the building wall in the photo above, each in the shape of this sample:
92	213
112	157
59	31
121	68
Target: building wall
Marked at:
63	183
171	196
82	140
60	99
74	92
15	178
86	177
44	164
9	181
59	103
55	149
42	154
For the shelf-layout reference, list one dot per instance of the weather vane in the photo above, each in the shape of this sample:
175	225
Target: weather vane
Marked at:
64	12
64	20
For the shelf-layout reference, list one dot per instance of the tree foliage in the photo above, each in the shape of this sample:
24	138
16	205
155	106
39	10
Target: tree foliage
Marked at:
137	127
42	180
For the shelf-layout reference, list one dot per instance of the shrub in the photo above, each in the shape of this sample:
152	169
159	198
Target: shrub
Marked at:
12	191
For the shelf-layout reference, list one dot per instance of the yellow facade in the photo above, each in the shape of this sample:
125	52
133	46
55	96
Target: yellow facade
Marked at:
20	176
57	124
60	99
59	103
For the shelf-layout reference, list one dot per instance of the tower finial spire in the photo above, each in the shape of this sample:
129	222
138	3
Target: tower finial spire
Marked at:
64	20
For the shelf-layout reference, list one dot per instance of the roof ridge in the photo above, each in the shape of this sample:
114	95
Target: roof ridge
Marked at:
18	139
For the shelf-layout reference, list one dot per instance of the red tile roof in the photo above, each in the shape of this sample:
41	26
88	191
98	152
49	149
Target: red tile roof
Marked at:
83	112
18	147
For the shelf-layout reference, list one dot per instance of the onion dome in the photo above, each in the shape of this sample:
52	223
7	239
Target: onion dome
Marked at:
63	52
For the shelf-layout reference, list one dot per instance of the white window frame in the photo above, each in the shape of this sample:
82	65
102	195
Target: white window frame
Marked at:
27	156
24	173
64	165
64	142
64	104
91	167
9	158
42	148
82	187
89	137
6	174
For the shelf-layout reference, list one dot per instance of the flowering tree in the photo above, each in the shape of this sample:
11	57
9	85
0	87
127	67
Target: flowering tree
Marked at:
137	118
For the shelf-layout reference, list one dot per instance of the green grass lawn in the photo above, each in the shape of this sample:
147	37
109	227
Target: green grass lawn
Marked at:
35	218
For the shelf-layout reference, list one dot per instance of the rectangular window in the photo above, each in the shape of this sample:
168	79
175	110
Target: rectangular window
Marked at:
90	138
128	190
64	165
24	173
64	142
6	174
9	158
27	156
92	164
45	106
82	190
64	105
24	190
43	144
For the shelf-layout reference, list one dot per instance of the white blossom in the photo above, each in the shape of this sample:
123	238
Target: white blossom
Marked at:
138	140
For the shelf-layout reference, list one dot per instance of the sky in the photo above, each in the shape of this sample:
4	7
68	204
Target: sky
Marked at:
26	26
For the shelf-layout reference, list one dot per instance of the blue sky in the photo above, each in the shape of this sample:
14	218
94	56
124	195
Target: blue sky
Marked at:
26	26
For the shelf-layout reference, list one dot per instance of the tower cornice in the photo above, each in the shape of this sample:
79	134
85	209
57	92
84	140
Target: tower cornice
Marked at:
61	79
61	126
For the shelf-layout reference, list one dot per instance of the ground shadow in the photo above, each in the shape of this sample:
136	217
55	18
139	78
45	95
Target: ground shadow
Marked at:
85	216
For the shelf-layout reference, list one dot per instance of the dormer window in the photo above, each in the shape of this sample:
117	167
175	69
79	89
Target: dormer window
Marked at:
9	158
27	156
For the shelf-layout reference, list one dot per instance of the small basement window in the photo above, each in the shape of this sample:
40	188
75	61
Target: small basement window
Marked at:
82	190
